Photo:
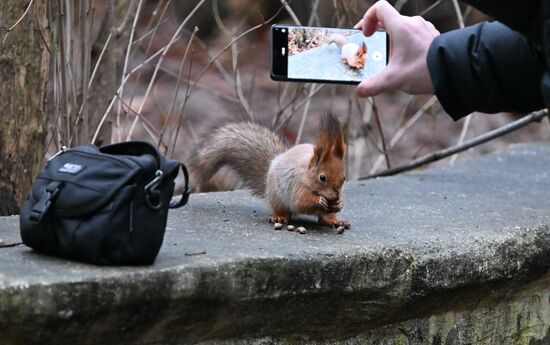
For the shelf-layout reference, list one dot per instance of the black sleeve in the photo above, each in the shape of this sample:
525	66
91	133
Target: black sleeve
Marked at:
488	68
524	17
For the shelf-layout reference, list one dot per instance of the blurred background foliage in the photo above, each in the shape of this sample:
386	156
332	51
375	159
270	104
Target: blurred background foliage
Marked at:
169	71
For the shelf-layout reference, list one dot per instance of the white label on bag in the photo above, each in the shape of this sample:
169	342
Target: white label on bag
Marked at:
71	168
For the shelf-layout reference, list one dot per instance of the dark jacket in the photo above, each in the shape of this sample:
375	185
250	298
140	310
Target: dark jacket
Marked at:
492	67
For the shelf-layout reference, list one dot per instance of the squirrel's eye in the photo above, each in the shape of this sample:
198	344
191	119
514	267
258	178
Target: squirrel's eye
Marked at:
322	178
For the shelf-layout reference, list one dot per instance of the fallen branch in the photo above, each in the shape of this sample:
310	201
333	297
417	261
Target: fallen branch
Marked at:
536	116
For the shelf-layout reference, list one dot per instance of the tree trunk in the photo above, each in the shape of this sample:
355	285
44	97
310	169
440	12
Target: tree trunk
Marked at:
24	62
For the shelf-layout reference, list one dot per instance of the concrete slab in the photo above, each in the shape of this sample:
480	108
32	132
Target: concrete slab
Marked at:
420	243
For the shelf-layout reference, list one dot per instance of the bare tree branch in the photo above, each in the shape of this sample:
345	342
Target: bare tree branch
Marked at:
404	129
381	131
438	155
291	12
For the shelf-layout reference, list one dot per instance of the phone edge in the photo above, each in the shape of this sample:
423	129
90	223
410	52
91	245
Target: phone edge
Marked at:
276	77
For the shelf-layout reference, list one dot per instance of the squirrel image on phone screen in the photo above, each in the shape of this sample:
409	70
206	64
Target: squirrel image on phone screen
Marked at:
303	179
352	54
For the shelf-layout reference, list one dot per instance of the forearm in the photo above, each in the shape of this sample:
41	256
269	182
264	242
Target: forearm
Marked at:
486	67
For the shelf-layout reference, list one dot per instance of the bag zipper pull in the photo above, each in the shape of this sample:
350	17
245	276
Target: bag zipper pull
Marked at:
63	149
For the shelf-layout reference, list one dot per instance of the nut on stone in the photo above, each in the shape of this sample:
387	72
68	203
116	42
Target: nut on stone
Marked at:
278	226
290	227
340	229
301	230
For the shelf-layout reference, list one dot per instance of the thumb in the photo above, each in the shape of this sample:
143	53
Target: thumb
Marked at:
374	85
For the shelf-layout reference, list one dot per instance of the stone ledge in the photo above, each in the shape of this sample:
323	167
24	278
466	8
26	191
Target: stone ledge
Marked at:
443	240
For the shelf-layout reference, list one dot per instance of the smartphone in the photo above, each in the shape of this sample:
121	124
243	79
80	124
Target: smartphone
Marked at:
326	55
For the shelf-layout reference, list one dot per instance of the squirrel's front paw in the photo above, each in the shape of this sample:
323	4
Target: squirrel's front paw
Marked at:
336	206
278	219
323	202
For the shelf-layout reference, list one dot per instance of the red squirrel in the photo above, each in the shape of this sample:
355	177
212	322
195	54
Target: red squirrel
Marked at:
352	54
303	179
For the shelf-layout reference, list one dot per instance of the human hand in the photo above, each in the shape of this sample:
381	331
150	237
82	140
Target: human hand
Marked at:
410	39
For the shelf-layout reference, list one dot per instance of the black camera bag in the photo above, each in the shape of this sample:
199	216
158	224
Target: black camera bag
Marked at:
105	206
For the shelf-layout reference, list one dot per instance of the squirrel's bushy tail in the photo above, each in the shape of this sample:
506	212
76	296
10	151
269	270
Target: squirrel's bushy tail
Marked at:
246	147
339	39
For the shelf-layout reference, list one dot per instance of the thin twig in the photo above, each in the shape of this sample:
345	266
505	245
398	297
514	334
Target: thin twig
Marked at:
362	140
127	59
399	4
149	128
468	119
63	69
291	12
463	132
85	51
381	131
183	107
305	113
219	66
536	116
152	33
178	84
129	11
296	107
313	14
202	86
218	18
364	129
431	7
458	13
228	45
238	84
99	59
122	83
282	95
8	30
41	30
404	129
174	38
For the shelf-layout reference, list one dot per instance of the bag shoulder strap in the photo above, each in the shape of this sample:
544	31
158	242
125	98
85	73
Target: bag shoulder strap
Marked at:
185	194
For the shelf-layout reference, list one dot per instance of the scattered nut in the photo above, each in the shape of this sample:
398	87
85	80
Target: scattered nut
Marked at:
340	230
301	230
278	226
290	227
2	242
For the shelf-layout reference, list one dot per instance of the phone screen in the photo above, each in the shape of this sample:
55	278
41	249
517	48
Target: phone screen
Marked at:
326	55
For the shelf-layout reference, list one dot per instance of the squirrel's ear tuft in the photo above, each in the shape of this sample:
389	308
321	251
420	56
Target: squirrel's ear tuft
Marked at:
317	155
362	50
331	137
339	146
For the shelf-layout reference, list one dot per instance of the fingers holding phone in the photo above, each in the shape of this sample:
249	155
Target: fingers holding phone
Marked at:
377	17
411	38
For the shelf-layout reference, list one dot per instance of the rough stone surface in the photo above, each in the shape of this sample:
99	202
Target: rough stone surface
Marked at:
453	255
